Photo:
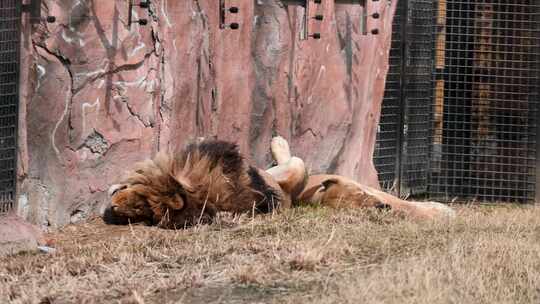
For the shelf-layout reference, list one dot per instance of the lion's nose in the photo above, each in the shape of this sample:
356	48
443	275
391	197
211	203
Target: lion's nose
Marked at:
110	217
115	188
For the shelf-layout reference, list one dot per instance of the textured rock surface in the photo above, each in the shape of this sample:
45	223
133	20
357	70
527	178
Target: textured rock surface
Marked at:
17	235
97	96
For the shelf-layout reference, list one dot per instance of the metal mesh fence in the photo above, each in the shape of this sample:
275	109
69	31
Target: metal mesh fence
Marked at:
405	118
488	93
389	129
9	67
417	96
473	135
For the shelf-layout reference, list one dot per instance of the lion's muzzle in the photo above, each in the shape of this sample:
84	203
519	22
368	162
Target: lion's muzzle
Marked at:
111	218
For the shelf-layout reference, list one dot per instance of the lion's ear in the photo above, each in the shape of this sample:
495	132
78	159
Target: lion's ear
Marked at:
329	182
181	187
158	202
176	202
182	184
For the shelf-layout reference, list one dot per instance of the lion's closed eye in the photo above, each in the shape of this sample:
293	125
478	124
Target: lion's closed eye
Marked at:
115	188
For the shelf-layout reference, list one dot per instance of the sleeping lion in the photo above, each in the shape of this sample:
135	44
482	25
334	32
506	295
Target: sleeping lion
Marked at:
190	187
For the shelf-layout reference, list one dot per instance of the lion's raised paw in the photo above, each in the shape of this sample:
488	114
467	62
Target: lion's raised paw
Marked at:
280	149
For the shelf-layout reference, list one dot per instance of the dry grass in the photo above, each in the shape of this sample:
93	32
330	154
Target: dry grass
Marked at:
487	255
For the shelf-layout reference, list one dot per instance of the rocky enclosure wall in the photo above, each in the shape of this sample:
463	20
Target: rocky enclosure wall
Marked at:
97	96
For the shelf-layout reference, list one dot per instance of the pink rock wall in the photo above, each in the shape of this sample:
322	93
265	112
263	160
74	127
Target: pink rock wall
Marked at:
97	96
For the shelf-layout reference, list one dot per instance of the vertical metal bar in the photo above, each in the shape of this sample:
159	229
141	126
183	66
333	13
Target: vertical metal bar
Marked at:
403	95
221	14
17	96
537	177
537	118
537	122
438	100
363	18
130	13
306	21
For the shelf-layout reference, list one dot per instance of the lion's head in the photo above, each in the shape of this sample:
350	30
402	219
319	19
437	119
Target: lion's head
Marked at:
141	203
127	206
151	193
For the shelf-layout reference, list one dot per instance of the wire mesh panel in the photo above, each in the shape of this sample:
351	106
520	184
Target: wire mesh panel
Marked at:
9	66
460	113
417	97
402	151
486	97
389	129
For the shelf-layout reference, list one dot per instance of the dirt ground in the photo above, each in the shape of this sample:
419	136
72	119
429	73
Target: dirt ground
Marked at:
305	255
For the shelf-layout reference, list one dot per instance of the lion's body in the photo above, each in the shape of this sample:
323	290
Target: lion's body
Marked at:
175	191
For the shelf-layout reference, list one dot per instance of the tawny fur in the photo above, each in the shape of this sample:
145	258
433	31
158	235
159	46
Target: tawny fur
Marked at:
211	176
340	192
190	187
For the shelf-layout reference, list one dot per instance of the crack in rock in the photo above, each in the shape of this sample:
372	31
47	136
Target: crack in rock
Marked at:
69	98
96	143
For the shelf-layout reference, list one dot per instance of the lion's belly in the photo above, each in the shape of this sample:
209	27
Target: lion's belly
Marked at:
285	199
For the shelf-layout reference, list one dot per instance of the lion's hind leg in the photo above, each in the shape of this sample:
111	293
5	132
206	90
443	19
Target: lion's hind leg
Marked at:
290	173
